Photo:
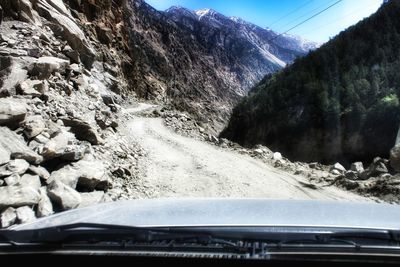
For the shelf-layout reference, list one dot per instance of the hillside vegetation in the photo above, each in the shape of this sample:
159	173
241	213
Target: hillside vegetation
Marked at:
340	102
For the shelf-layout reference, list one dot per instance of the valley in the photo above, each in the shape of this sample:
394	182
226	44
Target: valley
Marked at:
109	100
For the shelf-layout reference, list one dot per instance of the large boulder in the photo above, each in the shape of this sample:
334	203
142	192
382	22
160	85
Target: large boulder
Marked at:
92	175
68	175
12	112
18	196
44	67
63	145
66	197
85	174
13	146
83	130
56	12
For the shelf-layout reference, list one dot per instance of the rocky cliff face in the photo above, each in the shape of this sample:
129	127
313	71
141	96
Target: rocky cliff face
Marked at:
63	66
202	61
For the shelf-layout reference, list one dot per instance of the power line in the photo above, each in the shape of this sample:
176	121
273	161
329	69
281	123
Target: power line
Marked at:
304	21
290	13
341	18
307	13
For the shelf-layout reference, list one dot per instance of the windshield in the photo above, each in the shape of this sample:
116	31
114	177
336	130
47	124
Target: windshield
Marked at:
177	113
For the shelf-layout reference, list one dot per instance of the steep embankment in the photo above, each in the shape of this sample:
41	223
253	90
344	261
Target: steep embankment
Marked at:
61	68
202	62
339	103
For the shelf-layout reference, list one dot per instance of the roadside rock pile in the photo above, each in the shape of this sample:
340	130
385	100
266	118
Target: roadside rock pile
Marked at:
185	125
59	144
379	179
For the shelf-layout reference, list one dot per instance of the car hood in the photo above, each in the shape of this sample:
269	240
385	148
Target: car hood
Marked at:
229	212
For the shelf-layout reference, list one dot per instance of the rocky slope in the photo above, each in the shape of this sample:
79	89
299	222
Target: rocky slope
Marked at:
62	69
68	138
65	69
339	103
202	61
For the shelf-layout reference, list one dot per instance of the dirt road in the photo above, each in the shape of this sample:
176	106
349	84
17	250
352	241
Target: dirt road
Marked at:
178	166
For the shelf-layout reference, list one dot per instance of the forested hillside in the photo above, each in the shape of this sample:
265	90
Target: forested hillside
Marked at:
341	102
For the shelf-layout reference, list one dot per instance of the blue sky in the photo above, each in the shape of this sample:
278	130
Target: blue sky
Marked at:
281	15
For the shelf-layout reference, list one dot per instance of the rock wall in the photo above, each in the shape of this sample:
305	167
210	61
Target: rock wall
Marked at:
63	69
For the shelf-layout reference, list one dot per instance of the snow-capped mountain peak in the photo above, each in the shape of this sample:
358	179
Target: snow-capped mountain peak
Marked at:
205	12
179	11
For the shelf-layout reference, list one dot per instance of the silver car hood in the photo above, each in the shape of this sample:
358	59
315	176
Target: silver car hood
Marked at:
229	212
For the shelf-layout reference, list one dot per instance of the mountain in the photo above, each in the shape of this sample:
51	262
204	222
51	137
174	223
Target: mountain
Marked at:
339	103
202	61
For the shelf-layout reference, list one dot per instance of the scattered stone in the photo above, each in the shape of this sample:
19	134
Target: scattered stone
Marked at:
258	152
10	77
351	175
17	166
83	130
61	145
338	167
349	184
212	138
44	67
30	180
313	165
92	175
33	87
12	112
277	156
33	126
66	197
335	172
17	196
25	214
12	180
8	217
45	208
377	167
70	31
68	175
357	167
38	170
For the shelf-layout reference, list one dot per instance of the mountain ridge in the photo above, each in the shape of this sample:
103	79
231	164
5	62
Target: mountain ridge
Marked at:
219	59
